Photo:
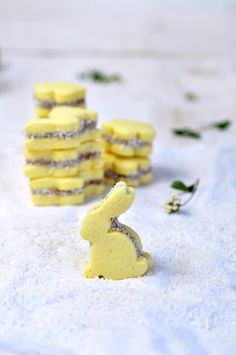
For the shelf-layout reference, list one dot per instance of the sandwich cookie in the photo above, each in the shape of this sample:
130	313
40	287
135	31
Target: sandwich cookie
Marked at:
49	191
116	250
134	171
61	163
52	94
61	130
128	138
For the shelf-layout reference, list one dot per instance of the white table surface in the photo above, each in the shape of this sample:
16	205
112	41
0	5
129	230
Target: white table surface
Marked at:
186	304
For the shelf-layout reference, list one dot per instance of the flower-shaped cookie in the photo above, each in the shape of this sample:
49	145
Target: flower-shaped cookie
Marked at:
65	128
133	171
66	191
52	94
128	138
61	163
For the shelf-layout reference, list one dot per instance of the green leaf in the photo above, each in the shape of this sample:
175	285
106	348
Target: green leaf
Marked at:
191	96
193	187
186	132
99	76
179	185
222	124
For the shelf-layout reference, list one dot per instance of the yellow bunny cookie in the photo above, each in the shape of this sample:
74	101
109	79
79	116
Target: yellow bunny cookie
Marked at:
116	250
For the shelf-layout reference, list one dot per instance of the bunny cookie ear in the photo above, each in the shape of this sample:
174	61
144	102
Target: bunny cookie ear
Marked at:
117	201
98	219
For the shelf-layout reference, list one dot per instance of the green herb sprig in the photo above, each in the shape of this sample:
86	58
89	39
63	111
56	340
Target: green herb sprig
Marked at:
191	96
99	76
174	203
197	134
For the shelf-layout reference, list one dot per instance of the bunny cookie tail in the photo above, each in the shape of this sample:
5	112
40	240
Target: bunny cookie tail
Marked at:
88	272
148	259
144	263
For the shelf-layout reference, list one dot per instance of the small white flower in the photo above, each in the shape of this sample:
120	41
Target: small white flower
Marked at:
173	204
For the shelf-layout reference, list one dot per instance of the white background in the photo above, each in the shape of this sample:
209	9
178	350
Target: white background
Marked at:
187	303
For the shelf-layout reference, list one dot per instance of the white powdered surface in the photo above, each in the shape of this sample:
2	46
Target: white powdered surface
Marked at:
186	304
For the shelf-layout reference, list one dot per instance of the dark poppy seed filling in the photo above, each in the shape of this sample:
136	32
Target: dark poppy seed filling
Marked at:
119	227
141	172
134	142
72	192
63	164
84	126
49	104
56	192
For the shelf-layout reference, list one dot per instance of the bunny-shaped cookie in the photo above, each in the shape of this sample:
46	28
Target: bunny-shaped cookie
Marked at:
116	250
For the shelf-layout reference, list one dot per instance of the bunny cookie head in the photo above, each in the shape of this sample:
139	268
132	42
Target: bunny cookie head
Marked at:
117	201
116	250
99	219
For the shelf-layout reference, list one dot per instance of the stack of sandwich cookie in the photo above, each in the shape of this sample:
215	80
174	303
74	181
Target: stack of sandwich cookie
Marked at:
53	94
64	157
127	146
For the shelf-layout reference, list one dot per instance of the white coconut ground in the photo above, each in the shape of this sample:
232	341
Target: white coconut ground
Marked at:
186	304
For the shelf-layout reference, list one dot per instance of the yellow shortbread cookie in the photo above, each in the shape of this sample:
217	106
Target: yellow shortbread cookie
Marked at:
81	113
53	94
116	250
59	163
62	132
128	138
66	191
134	171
